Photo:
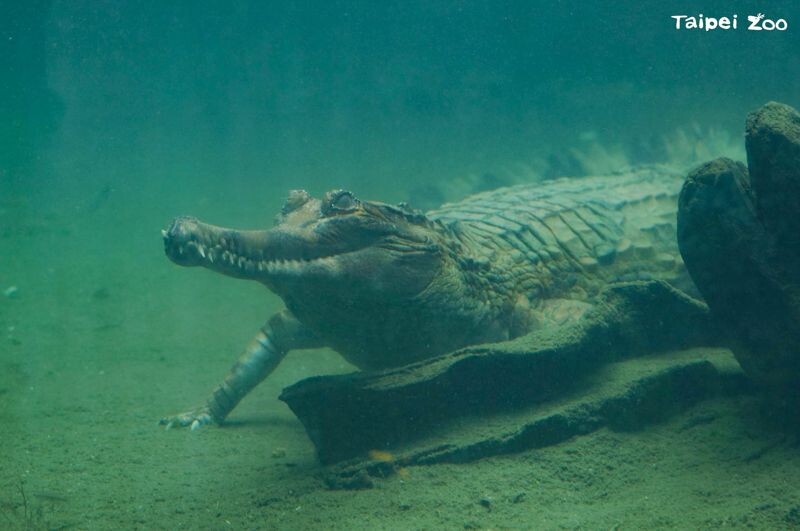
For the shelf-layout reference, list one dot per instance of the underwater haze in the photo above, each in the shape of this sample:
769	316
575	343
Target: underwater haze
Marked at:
118	117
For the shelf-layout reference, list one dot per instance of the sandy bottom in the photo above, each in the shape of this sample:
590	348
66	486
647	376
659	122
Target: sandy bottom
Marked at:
104	337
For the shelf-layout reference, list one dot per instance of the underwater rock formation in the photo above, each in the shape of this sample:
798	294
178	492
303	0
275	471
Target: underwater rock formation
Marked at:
773	156
739	235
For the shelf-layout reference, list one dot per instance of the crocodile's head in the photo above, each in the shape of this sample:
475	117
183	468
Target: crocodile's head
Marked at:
329	251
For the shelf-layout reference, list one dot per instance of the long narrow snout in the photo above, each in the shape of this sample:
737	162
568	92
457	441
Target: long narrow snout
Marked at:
332	245
249	254
244	254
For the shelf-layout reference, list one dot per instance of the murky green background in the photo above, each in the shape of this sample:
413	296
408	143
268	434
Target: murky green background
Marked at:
117	116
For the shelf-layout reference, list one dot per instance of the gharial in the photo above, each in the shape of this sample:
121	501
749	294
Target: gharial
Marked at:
386	285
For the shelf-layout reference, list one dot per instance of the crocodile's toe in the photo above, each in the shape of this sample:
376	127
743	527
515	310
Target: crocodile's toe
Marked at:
194	419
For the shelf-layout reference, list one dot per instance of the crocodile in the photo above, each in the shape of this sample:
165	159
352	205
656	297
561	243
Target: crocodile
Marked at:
386	285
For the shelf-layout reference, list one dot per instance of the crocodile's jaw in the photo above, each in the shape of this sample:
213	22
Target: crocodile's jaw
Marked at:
308	255
261	255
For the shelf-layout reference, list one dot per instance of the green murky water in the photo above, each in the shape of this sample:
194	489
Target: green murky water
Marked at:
117	117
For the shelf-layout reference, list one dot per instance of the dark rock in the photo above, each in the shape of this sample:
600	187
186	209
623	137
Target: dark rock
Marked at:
773	156
348	415
739	235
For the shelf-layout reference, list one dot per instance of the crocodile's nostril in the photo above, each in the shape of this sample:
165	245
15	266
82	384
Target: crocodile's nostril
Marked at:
179	230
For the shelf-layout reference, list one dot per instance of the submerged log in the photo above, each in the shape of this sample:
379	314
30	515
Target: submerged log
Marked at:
348	415
622	396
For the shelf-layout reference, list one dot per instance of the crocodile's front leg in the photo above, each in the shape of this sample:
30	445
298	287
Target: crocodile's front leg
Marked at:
262	355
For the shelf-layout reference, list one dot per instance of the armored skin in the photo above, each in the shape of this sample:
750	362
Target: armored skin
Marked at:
385	285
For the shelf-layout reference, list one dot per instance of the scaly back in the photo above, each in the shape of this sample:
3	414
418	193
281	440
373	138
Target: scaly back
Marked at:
574	234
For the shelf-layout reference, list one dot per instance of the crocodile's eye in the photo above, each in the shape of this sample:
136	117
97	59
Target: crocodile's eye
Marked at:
339	201
344	201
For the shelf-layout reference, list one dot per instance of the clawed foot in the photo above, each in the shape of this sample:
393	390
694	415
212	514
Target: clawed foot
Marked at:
195	418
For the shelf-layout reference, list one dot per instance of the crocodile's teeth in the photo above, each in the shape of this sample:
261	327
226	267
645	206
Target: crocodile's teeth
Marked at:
201	251
211	257
163	233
